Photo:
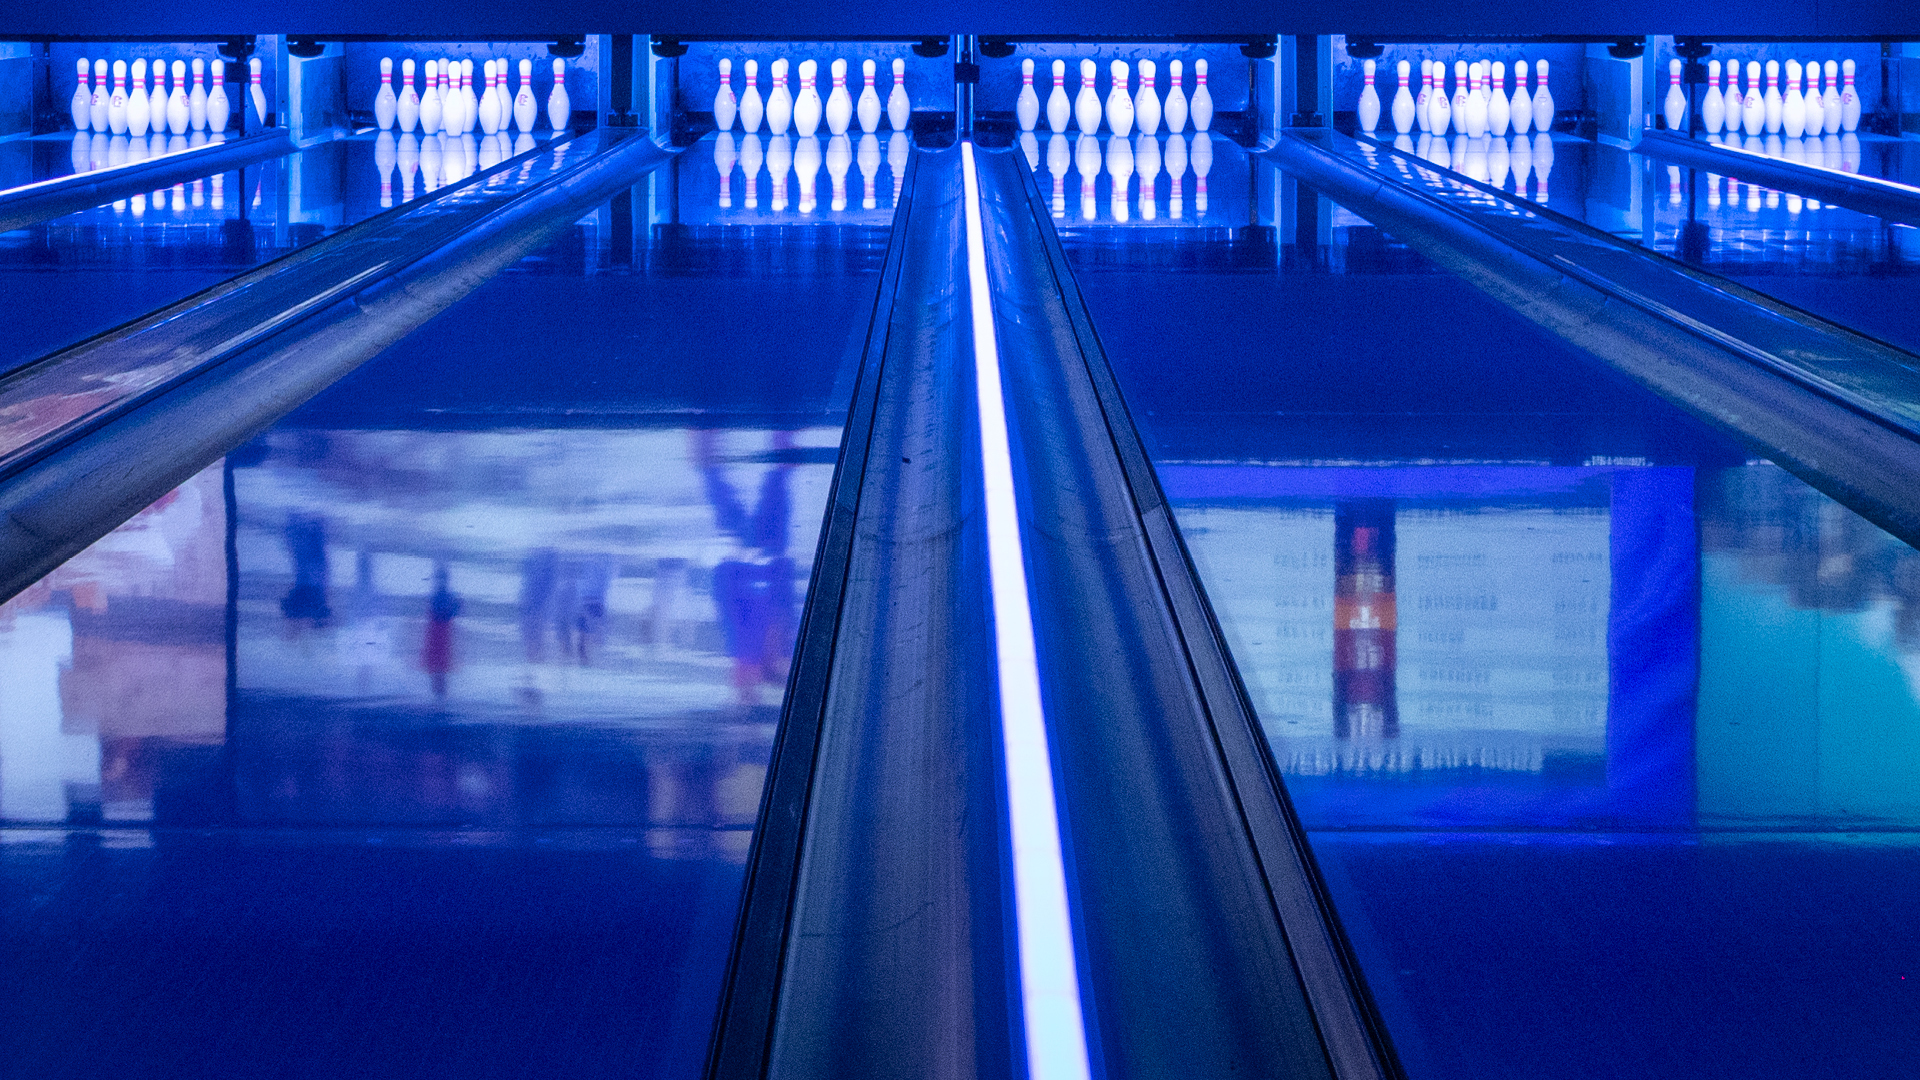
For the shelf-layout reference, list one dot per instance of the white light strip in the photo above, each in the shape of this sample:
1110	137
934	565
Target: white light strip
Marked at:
1049	983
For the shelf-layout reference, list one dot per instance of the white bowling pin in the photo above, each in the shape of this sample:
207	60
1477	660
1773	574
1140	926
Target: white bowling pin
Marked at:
752	109
559	104
525	109
899	108
139	109
1520	106
1369	106
1753	108
1793	112
1059	109
1542	102
81	106
487	112
197	97
1120	103
1477	100
1734	101
1499	105
1849	102
386	105
1462	92
779	102
1146	103
468	91
1830	104
406	112
1026	107
1403	103
840	103
867	109
1771	101
1675	105
102	92
806	104
1200	111
255	90
1086	104
117	100
179	113
1713	108
725	107
1439	108
219	106
1174	110
431	108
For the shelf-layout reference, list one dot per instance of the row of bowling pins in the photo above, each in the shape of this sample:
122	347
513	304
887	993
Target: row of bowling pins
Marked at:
803	157
1480	104
1124	108
1794	114
440	159
1121	159
1487	158
124	110
451	107
807	109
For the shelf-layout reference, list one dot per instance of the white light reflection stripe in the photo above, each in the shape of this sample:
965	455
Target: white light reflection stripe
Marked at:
1049	984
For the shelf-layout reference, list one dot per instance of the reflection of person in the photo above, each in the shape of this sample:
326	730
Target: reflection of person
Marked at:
570	596
307	543
753	588
436	653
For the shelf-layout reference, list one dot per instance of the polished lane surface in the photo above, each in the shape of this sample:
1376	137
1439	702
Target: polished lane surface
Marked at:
426	732
76	276
1603	727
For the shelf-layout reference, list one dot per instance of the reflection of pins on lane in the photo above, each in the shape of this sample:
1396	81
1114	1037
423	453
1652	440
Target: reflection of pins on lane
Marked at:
751	107
806	164
386	154
779	101
779	164
839	103
1146	101
81	105
1200	110
1059	109
869	160
408	159
1086	158
724	155
1497	156
1542	165
1146	156
806	104
839	159
1120	168
1086	104
406	110
899	106
432	159
1176	176
1120	102
897	162
1059	161
868	108
1174	109
1030	149
1520	156
1202	159
750	158
1026	107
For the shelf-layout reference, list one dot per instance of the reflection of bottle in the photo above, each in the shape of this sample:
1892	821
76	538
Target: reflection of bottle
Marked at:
1364	621
436	651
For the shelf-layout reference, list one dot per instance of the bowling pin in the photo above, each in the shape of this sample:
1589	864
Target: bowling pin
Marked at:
102	92
1713	108
525	110
840	103
1542	101
258	92
81	106
867	109
559	105
1174	109
1403	103
157	105
1026	107
1120	103
139	109
1676	102
487	112
431	108
1520	106
806	104
1753	108
179	113
1146	102
406	112
1369	106
386	105
1059	109
1499	105
1086	104
467	83
1439	109
899	108
724	155
779	101
1420	99
117	100
219	106
1477	100
1462	81
868	157
1200	110
1734	103
751	107
197	97
839	159
1771	101
1849	102
725	108
1793	112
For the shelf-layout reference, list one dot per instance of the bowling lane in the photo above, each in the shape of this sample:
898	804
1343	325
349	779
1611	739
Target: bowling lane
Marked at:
1602	726
87	272
1861	153
1856	269
426	732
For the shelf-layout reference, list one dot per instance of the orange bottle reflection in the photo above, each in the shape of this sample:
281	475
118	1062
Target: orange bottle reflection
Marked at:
1364	622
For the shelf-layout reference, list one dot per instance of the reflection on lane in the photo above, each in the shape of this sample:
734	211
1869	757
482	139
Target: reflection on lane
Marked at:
1607	738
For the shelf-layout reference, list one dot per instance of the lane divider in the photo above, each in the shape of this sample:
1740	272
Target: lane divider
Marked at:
1049	980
